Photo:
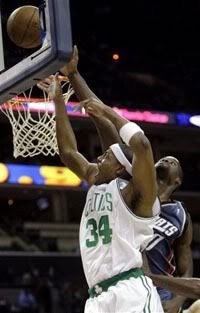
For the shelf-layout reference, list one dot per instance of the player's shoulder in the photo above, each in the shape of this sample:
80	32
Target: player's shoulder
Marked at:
174	205
175	210
186	219
182	206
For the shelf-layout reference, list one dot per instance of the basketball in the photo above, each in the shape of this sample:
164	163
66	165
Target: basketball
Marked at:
23	27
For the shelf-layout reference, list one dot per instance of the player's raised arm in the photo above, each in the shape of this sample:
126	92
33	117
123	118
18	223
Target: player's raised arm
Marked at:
140	194
65	135
77	82
107	132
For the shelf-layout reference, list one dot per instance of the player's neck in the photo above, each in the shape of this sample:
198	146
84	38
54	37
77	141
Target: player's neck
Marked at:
164	192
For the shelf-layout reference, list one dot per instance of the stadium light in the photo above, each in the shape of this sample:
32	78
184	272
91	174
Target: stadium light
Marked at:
195	120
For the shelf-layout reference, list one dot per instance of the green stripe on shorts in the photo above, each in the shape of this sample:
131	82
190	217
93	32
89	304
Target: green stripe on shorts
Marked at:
147	303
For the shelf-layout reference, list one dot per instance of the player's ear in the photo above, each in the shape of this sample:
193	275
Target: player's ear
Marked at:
177	181
120	170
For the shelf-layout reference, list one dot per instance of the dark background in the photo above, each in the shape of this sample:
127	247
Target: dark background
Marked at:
158	45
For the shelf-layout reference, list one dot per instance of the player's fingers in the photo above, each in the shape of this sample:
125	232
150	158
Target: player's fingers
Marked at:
56	79
39	86
75	51
80	106
77	107
63	78
42	86
88	101
56	76
45	81
50	78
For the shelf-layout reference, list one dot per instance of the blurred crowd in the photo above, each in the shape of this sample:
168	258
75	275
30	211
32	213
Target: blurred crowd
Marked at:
33	292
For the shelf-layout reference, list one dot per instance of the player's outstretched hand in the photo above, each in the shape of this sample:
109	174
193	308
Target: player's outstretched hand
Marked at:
93	107
51	86
45	83
71	67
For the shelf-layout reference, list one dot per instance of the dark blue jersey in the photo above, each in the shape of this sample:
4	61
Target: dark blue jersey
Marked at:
160	253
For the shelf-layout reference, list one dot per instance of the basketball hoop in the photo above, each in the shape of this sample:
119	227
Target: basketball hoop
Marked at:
33	124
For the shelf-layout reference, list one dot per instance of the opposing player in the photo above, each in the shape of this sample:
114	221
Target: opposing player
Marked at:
169	252
117	221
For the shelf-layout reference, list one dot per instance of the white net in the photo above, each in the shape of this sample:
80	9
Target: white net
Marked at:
33	132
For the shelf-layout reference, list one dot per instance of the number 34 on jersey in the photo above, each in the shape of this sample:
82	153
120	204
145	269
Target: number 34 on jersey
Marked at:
99	231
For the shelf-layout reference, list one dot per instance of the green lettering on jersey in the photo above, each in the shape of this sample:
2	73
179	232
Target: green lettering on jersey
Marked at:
100	202
88	207
91	223
103	230
109	201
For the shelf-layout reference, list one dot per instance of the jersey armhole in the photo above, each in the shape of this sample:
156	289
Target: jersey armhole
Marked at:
185	220
155	215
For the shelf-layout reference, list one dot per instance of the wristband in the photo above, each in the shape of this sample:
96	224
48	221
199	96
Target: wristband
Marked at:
128	131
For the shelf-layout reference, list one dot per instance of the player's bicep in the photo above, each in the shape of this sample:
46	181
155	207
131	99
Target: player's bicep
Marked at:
77	163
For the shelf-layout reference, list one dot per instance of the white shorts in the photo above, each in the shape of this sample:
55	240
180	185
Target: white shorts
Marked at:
135	295
194	308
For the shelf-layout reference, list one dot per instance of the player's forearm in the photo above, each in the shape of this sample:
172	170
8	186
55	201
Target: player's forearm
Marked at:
184	266
64	132
107	132
188	273
83	92
114	117
80	86
186	287
120	121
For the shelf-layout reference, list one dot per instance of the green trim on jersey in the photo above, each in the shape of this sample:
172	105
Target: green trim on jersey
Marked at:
105	284
136	216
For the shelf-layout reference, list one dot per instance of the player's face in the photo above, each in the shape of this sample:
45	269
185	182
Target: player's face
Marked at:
167	169
107	167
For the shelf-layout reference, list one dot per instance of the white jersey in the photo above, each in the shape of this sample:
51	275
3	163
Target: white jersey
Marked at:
111	236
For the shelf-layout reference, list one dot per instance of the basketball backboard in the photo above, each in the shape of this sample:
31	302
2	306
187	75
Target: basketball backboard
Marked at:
2	65
55	51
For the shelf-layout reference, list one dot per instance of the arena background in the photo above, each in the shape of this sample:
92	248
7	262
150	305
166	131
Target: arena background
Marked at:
141	56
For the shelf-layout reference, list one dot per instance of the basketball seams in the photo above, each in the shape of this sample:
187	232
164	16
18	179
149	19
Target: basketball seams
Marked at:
23	27
27	26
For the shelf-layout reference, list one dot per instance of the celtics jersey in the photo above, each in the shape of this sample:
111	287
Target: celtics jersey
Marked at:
111	236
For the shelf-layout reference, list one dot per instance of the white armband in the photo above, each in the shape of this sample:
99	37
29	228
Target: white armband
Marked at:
128	130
